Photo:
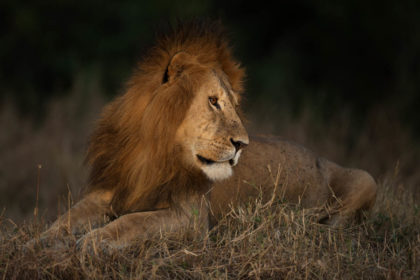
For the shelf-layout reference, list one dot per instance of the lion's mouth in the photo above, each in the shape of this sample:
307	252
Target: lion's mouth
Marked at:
209	161
205	160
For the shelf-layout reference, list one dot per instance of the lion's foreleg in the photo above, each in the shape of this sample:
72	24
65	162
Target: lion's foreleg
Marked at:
144	225
90	212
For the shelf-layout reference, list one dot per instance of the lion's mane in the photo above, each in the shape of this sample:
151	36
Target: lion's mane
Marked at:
132	152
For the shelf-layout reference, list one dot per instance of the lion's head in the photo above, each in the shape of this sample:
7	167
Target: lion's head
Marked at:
211	134
176	128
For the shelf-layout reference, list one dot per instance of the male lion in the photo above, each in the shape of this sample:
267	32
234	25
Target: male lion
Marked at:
166	153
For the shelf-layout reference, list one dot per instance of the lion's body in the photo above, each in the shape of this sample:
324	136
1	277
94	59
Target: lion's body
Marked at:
296	175
163	152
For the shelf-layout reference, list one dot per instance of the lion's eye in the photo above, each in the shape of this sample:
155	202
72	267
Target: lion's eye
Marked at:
213	101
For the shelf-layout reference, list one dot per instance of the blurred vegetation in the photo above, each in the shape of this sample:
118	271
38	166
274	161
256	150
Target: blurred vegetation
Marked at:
351	55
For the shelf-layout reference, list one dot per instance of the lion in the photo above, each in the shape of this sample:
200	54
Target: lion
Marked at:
172	152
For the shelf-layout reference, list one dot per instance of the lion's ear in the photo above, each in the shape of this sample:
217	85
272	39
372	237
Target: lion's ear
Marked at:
178	64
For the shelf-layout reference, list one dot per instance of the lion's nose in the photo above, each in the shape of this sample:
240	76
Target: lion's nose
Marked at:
238	144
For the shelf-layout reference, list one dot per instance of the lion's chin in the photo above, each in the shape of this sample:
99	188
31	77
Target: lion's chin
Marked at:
217	171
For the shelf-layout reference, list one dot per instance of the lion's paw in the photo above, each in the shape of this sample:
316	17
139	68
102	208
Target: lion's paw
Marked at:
94	243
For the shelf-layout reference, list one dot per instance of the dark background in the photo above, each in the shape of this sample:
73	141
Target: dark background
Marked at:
355	54
339	76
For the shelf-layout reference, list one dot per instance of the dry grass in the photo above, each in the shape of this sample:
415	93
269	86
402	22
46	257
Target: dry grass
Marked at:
281	241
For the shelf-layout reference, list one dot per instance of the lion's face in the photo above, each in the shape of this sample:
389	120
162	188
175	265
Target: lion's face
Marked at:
212	134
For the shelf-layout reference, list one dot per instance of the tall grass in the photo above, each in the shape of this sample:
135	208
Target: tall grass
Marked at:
257	241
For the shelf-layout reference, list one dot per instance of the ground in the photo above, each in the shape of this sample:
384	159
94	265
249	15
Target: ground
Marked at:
278	240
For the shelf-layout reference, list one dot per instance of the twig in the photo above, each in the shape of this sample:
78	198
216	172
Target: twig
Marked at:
37	192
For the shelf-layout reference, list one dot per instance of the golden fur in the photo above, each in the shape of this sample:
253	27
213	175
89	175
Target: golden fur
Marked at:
132	151
161	151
